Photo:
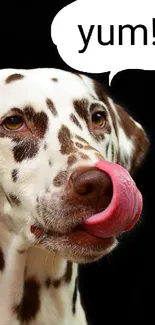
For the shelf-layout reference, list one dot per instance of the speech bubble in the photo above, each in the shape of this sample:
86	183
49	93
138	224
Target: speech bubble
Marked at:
99	36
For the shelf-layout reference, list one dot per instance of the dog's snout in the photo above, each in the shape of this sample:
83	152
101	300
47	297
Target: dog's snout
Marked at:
92	186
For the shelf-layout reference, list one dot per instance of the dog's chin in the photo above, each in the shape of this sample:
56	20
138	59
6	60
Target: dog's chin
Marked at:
78	245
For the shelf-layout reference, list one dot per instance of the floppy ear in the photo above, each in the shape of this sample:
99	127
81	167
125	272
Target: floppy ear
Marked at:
132	140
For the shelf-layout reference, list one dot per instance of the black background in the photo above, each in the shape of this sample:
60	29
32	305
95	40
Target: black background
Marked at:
119	288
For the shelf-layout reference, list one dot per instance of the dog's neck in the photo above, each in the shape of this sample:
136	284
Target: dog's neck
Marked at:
49	278
48	265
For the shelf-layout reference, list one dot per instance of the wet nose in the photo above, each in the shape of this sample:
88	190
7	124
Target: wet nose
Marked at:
92	187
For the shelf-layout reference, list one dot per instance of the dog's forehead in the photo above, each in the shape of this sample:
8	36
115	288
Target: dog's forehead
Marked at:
20	88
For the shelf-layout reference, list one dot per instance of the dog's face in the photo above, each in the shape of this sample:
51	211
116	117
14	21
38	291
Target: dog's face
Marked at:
54	126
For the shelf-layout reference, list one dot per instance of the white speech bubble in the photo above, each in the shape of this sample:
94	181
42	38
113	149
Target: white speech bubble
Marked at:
101	22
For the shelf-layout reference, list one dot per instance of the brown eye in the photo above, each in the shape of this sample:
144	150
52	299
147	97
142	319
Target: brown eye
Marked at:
99	119
13	123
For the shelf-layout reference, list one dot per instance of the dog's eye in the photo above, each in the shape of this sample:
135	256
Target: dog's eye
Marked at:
99	119
13	123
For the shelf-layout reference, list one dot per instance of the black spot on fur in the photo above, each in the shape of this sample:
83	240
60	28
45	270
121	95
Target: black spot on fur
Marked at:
81	139
30	304
126	160
2	262
45	146
81	108
106	150
65	138
16	139
57	283
75	121
66	277
79	145
14	77
38	121
14	199
83	156
25	150
74	297
88	147
98	136
48	282
68	274
14	175
71	160
60	178
54	79
51	106
112	152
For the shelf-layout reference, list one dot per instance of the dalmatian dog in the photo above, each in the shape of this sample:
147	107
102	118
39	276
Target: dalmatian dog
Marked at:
54	126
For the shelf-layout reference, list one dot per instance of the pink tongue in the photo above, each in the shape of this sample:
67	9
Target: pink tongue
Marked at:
124	209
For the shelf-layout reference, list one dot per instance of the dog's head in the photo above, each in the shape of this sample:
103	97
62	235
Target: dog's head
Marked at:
54	126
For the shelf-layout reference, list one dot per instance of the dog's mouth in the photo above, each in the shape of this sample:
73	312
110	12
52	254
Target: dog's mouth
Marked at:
99	230
78	243
125	206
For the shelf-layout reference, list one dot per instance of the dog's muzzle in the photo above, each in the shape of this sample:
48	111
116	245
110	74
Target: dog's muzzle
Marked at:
102	200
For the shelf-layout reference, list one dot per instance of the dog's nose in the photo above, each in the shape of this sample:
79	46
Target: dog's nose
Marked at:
92	187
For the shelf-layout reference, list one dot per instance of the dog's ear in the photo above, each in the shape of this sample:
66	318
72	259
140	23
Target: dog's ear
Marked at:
132	140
